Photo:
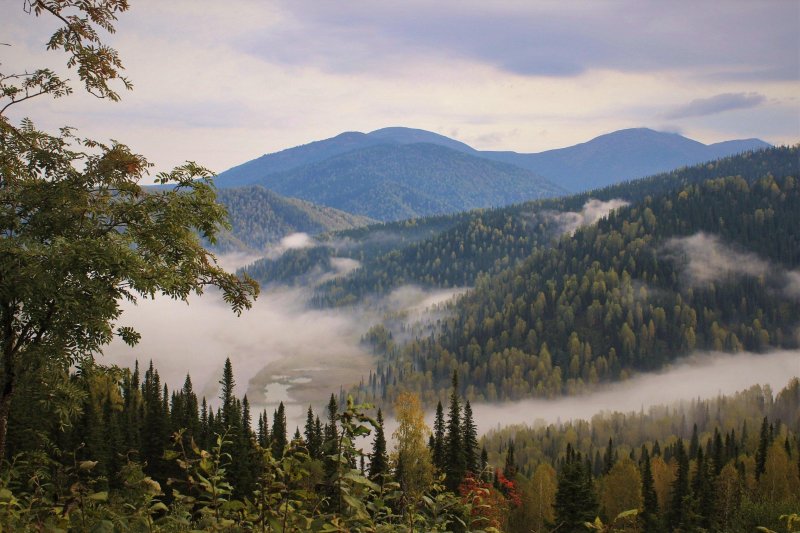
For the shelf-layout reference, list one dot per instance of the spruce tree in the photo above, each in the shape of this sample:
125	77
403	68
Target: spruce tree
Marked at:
471	459
702	492
226	393
510	467
263	430
680	514
454	467
279	439
650	511
308	431
576	501
608	458
694	443
379	460
763	447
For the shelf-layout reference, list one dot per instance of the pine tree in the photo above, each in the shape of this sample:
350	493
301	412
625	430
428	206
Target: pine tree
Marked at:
279	439
379	460
470	441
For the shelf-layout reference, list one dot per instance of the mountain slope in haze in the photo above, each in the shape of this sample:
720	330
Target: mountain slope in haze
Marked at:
394	182
256	170
621	156
260	217
615	157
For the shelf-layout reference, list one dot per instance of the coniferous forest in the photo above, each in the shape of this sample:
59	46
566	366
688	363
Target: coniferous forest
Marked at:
558	297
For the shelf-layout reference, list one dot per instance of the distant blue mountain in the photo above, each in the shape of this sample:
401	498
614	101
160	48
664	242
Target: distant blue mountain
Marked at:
399	181
619	156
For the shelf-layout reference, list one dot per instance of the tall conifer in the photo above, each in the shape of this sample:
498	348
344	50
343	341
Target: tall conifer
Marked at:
455	466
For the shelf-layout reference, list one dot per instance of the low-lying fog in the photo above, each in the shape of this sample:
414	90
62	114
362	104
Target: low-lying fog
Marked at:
280	350
283	351
704	375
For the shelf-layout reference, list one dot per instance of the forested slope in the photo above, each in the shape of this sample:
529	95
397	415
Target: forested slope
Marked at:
260	217
457	249
730	463
711	267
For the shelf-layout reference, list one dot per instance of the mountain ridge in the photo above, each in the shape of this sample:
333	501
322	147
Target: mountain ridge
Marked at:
400	181
610	158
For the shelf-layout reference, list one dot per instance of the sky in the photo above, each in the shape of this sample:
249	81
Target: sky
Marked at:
221	83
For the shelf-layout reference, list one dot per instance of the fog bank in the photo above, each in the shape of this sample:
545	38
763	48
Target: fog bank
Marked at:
703	375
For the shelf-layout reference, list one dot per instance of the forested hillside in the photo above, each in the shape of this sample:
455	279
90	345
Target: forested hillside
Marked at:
726	464
451	251
653	281
260	217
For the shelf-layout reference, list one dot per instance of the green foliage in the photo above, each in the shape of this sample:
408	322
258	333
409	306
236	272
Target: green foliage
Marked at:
79	234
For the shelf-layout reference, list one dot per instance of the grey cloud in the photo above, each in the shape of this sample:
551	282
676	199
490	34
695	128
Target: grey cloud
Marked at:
554	39
717	104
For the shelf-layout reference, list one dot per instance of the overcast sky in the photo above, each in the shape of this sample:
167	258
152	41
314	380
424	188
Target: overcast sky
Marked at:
221	83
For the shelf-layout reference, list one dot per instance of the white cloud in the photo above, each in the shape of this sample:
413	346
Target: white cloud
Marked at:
709	259
593	210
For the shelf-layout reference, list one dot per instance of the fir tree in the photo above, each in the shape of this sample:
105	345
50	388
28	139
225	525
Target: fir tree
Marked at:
470	441
510	467
702	492
694	443
308	431
650	511
379	460
763	447
608	458
576	501
454	467
279	439
680	514
263	430
226	393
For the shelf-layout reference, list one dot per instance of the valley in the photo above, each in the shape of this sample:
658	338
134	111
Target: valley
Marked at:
500	267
